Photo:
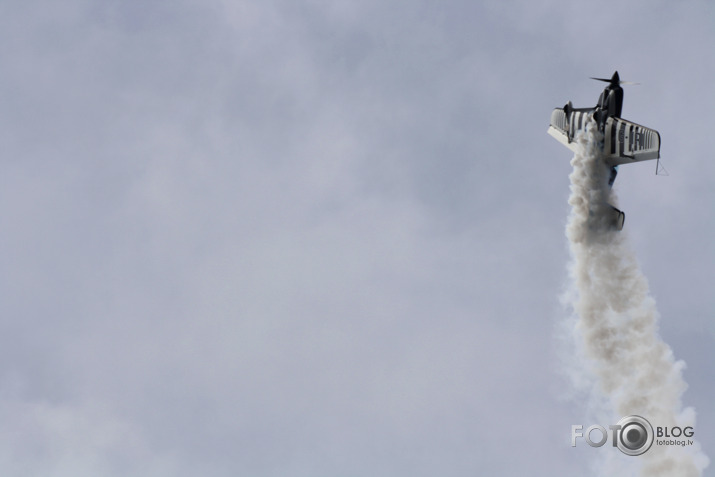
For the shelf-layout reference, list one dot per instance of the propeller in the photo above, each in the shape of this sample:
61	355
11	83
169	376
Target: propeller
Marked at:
614	80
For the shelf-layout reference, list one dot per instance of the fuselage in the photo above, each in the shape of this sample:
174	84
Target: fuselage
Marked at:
610	103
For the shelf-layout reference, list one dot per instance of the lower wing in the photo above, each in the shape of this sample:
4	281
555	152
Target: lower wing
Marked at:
625	142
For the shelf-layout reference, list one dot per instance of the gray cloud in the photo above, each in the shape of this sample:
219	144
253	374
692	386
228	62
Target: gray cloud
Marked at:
319	238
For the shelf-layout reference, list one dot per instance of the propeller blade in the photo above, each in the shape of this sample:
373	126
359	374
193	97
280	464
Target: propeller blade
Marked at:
609	81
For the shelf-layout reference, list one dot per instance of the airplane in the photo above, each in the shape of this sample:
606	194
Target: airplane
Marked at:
624	142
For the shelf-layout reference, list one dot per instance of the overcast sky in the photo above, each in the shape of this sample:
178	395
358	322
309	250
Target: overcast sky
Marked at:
326	238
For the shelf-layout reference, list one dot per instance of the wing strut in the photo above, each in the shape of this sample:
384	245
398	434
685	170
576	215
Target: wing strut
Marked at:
660	170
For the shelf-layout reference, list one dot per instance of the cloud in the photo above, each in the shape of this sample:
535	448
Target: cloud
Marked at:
279	238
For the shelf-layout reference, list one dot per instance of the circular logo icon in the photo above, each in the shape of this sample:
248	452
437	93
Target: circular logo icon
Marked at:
635	435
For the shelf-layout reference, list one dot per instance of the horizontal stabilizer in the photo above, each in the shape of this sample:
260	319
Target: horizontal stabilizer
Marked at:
618	218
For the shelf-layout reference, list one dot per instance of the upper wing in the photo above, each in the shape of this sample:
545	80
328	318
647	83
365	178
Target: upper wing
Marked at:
559	128
564	125
625	142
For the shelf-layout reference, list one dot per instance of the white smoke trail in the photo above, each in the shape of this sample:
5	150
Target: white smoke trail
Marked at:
618	321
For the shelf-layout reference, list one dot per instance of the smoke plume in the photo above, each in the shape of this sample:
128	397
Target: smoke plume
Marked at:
617	321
